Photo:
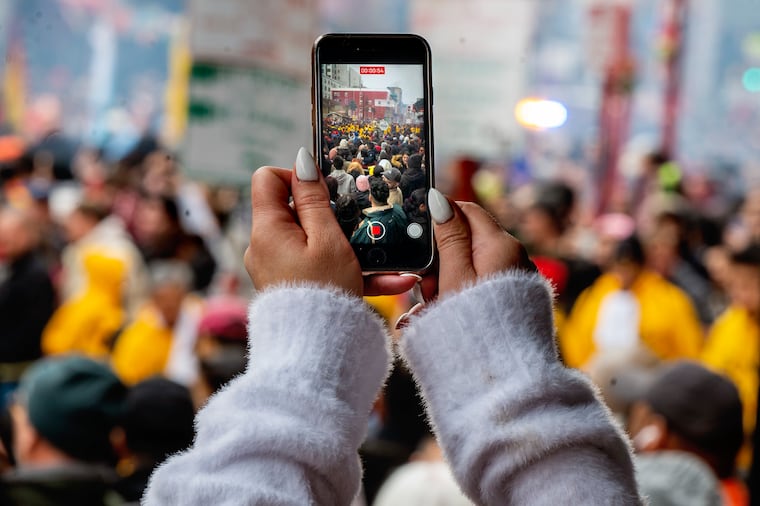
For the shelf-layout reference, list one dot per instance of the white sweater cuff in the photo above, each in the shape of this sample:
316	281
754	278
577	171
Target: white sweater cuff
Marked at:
505	318
313	338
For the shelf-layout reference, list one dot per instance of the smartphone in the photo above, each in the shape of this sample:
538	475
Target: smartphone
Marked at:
372	115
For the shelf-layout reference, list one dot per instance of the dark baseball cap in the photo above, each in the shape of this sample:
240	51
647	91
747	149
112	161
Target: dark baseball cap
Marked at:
74	402
699	405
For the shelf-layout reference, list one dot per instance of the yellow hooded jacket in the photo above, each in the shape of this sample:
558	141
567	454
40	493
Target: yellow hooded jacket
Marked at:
87	322
668	326
733	349
142	350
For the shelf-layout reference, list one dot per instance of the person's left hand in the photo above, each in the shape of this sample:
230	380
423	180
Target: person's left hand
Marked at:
304	242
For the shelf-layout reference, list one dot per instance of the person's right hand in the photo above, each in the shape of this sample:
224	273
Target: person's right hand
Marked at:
471	245
304	242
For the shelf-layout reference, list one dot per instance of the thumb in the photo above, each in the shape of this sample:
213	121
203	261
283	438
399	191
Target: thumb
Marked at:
310	196
454	241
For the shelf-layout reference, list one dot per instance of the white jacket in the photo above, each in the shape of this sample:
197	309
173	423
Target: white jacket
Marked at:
516	426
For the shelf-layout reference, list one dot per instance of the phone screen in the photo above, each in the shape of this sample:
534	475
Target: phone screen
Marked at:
374	151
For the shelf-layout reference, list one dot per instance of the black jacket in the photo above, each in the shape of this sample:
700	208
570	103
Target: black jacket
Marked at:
73	484
27	301
412	179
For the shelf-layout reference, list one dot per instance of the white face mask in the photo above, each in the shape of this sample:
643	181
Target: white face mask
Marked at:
646	437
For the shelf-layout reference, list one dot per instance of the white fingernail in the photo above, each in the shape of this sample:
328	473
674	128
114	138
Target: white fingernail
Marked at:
402	321
417	294
440	209
411	275
306	169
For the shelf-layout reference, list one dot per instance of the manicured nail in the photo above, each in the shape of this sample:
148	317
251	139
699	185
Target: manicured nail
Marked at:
417	294
411	275
416	309
306	169
404	320
440	209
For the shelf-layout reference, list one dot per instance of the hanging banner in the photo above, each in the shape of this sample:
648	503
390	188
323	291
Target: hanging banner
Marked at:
248	98
240	119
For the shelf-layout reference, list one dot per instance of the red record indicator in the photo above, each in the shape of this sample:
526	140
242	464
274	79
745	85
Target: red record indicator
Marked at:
375	230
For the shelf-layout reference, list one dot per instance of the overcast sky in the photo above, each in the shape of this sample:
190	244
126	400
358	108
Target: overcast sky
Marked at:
406	77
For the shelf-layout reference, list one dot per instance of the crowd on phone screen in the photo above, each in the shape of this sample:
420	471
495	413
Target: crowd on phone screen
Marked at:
121	305
375	176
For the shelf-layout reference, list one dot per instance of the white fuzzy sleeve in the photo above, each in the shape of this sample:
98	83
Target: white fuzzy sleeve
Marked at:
288	429
516	426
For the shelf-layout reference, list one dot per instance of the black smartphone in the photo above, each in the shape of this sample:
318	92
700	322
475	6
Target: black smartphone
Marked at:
372	106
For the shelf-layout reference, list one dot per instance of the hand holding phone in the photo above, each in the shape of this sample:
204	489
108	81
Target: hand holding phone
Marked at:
372	117
304	243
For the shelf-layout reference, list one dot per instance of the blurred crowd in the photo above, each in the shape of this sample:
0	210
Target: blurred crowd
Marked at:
122	310
658	301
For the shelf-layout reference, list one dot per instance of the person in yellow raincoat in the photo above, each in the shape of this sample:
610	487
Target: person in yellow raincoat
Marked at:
86	323
630	306
164	331
733	344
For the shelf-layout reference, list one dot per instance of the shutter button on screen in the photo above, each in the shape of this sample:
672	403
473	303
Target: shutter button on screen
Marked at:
414	230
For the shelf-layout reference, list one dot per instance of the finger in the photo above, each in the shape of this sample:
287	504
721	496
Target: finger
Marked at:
429	287
493	248
487	235
387	284
311	198
270	191
452	236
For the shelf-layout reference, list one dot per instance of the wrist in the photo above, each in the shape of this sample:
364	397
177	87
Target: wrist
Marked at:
320	337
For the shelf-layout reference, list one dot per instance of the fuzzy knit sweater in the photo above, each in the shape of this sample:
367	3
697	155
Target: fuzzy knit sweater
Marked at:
516	426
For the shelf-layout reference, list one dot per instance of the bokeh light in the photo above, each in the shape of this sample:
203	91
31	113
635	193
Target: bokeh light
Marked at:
540	114
751	79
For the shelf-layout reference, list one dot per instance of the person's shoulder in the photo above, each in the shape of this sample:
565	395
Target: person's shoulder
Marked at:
675	477
734	320
652	284
398	211
74	484
33	268
604	284
674	293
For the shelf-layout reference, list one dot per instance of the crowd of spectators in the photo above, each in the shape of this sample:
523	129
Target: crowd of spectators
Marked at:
121	305
385	168
120	315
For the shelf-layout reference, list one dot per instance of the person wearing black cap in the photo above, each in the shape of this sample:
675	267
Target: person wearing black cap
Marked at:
687	427
157	422
413	177
63	415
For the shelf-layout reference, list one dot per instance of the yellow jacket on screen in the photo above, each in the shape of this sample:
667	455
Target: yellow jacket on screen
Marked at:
668	323
142	350
732	349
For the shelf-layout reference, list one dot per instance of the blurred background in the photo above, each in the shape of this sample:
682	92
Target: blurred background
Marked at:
618	139
630	76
